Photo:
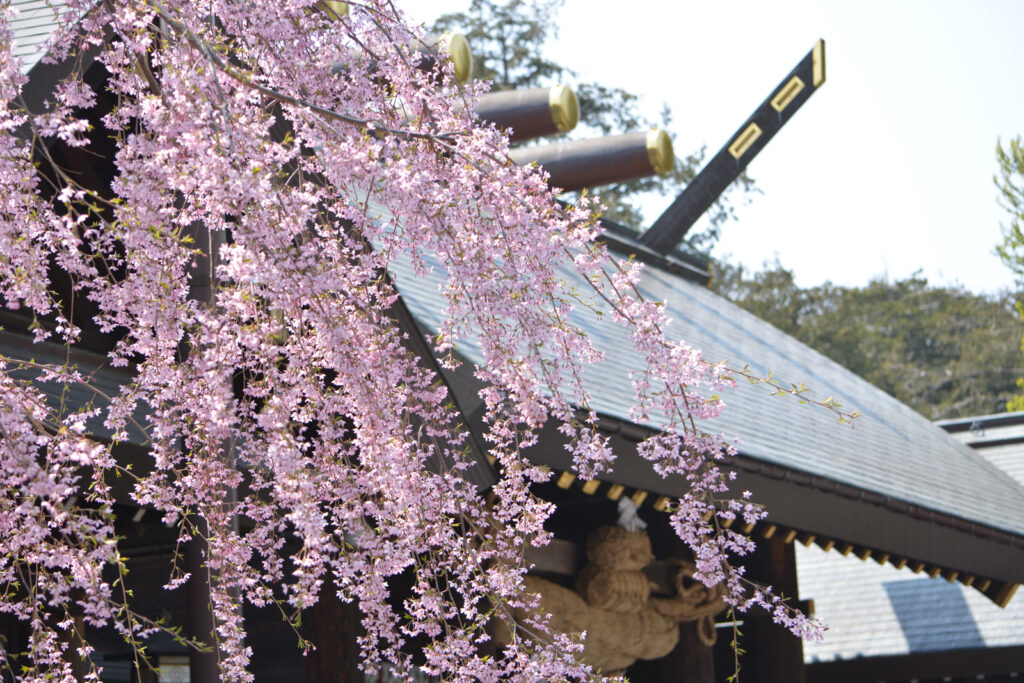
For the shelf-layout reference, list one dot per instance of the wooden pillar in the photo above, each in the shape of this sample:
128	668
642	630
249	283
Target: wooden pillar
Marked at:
15	643
203	666
696	660
774	655
333	626
14	633
73	639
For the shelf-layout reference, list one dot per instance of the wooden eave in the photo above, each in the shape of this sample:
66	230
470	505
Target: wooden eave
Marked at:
815	510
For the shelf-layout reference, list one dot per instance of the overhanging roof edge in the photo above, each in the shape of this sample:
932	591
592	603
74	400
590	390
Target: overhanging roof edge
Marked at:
636	433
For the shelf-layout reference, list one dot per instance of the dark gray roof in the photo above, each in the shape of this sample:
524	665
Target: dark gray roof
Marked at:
890	450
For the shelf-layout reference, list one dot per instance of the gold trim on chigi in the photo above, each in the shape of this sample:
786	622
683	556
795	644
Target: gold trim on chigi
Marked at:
787	94
745	139
818	63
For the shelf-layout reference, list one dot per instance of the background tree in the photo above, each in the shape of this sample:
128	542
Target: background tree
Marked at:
508	41
1010	181
944	351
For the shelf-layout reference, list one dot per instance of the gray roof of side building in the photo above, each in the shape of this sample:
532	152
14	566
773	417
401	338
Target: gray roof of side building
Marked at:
32	23
875	611
998	438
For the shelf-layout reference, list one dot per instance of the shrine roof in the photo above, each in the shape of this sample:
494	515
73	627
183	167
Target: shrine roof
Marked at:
890	457
890	449
893	485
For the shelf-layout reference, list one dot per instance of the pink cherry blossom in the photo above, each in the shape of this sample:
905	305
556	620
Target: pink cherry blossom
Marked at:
285	394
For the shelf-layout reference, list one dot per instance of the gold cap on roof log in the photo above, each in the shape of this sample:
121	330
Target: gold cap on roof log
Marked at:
577	164
531	113
451	45
659	151
457	48
565	108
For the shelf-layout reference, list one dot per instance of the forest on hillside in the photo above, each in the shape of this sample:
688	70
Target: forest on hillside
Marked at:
944	351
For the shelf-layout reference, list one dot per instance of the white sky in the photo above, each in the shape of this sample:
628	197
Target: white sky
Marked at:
887	169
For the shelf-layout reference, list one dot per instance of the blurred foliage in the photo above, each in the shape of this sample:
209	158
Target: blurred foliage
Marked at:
508	40
1010	181
944	351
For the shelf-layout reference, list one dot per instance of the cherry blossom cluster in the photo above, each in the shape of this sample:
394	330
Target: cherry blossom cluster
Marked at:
272	160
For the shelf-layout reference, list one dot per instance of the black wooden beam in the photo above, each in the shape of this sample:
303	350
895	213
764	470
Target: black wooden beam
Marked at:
942	664
822	508
728	164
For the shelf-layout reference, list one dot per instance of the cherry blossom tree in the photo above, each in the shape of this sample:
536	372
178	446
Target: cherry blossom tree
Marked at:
272	160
